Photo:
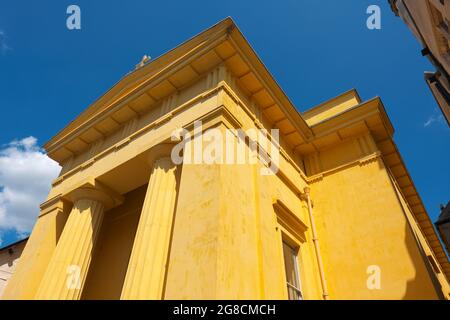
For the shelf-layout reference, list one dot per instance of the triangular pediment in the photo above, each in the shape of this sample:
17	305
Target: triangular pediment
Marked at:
138	91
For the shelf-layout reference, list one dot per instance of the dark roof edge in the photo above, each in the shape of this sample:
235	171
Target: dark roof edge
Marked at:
14	244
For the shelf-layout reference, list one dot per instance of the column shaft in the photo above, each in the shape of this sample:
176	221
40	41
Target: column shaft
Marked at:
67	270
147	266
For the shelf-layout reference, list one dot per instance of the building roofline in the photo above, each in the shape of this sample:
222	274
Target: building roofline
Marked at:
143	76
13	244
444	216
314	108
393	4
128	77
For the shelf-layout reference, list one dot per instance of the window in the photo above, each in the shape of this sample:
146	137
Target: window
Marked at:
291	231
441	25
292	272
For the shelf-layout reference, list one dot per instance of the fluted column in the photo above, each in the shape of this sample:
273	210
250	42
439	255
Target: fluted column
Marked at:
67	270
147	265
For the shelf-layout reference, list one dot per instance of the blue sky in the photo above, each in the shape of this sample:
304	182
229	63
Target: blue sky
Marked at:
315	50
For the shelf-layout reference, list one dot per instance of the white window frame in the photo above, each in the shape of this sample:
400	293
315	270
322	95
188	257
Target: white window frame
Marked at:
294	255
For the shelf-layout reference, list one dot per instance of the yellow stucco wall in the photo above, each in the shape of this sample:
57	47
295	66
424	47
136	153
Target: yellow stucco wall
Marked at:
363	224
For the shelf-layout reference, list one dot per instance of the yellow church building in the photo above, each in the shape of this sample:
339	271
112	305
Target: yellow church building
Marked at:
331	214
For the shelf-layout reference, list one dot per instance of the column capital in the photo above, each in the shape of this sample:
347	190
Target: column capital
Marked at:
92	189
75	247
162	150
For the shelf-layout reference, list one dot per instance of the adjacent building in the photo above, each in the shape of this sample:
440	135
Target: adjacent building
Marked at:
9	256
429	22
325	209
443	225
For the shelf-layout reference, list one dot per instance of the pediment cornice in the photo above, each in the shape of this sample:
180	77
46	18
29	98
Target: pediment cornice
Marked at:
145	88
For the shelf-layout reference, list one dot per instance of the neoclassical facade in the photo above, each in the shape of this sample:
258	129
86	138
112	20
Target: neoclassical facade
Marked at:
339	218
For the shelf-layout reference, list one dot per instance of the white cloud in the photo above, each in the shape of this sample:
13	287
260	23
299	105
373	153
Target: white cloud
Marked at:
3	45
434	119
26	173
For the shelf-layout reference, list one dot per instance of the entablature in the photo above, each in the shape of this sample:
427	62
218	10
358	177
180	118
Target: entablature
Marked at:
147	88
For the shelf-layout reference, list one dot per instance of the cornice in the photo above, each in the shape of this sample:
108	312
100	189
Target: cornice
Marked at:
153	81
375	156
56	203
289	220
259	125
352	115
352	92
158	67
120	144
221	113
265	77
159	70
